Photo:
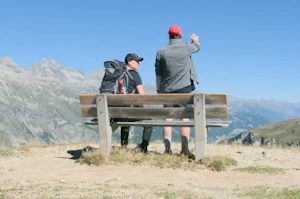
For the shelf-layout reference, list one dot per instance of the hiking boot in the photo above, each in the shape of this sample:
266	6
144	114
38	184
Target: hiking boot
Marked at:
141	148
168	151
188	154
167	146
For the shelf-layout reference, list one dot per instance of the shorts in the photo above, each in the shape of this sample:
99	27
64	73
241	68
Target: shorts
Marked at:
187	89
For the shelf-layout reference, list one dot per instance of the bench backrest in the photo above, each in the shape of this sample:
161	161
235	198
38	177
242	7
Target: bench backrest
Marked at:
215	105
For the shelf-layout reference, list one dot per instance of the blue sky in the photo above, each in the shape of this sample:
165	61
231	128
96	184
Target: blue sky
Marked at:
249	49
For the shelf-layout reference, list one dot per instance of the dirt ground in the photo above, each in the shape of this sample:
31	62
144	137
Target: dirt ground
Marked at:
48	172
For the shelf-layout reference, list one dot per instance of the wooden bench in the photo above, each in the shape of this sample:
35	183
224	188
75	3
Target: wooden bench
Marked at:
206	106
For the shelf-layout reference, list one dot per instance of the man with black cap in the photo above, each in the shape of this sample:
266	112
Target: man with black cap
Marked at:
175	73
135	86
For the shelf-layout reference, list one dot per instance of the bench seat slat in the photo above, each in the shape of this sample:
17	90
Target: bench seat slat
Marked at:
221	124
153	99
143	113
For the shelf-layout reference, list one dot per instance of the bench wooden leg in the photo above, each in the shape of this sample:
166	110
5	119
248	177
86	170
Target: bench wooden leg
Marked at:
105	130
200	126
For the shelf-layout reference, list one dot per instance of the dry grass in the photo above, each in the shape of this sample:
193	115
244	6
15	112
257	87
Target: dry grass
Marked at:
218	163
270	193
106	190
185	179
5	153
131	157
261	170
92	158
25	150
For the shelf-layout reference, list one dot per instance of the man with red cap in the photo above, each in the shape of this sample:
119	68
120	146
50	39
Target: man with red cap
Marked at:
175	73
135	86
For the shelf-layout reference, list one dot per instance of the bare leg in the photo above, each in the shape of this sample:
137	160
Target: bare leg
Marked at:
207	130
168	129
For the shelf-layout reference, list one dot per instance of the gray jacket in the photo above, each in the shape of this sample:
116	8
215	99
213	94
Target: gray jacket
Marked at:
175	66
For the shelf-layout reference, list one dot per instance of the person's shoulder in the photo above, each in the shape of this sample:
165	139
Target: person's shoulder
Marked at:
165	46
162	49
186	43
134	72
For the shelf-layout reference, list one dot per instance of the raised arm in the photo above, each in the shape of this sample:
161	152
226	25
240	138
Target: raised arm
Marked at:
194	46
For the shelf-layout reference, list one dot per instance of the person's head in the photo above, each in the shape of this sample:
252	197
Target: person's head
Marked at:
133	61
175	32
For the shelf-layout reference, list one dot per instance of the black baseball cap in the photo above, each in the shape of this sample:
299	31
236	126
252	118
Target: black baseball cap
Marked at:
132	56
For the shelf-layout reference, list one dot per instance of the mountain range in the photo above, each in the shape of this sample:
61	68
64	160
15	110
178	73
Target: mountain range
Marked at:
41	104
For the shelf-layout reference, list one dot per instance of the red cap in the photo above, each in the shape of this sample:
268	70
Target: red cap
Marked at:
175	31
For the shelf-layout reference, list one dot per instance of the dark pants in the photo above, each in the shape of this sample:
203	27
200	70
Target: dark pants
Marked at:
147	132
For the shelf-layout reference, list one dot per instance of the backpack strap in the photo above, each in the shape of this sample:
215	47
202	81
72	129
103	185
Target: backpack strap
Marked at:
127	76
128	73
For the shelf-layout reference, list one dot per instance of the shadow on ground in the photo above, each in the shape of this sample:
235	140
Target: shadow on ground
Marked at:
77	153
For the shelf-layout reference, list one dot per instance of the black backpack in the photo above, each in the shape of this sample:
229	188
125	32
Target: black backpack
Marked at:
114	71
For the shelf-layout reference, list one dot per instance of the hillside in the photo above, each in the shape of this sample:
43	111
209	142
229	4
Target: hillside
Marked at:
277	133
48	172
40	104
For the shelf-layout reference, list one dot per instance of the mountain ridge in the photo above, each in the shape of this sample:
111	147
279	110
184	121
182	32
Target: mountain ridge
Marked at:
286	132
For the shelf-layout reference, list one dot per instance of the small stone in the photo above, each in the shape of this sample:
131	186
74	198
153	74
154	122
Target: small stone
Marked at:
283	161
